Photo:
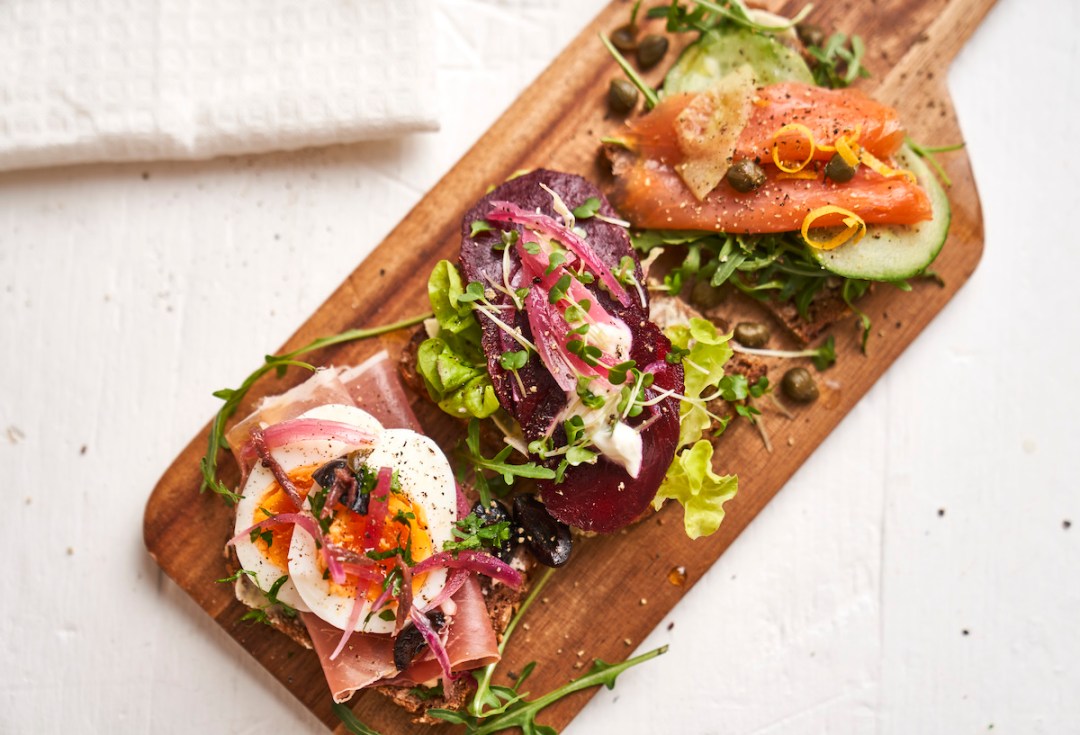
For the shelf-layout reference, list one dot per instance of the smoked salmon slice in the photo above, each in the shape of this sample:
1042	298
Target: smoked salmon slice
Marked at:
650	192
827	113
652	196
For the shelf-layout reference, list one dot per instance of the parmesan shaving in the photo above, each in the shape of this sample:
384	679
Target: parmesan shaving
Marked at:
708	129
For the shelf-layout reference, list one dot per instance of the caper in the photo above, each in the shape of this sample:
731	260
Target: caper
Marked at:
624	38
745	175
839	170
651	49
621	96
810	34
799	385
751	334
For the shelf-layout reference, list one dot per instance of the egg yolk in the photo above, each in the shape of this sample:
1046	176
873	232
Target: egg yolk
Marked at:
404	527
273	502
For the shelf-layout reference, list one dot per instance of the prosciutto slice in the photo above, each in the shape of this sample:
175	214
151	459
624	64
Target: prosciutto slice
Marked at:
369	659
322	388
374	386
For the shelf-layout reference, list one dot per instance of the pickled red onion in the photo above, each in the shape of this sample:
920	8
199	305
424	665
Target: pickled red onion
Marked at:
434	641
510	212
474	561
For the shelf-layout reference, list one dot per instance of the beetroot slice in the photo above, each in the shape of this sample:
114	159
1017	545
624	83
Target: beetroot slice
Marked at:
600	497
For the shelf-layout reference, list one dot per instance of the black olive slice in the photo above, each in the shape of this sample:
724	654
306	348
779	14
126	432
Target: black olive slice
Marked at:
546	538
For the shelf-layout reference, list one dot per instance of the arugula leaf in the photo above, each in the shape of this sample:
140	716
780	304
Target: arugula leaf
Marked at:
928	153
522	713
691	481
839	62
351	722
506	470
650	95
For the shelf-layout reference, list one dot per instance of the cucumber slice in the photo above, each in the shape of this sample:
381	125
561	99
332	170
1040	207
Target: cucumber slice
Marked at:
895	252
718	53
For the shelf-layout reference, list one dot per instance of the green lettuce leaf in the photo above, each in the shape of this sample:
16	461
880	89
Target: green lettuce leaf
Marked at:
703	368
444	291
452	363
691	481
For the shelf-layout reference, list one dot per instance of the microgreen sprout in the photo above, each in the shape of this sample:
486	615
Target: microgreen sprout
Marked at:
480	225
514	361
588	208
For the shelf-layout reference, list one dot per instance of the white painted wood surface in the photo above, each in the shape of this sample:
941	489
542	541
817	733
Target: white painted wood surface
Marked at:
916	576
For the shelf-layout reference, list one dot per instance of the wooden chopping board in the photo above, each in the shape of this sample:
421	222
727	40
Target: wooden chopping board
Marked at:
556	123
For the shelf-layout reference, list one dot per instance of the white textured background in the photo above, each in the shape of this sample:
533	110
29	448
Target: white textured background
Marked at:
129	292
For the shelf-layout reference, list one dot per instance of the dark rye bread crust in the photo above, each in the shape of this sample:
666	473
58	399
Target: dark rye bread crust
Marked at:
247	593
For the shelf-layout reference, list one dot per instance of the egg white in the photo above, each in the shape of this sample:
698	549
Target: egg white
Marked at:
427	479
290	457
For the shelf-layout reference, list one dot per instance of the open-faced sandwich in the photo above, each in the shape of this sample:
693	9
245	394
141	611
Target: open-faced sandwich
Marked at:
589	393
345	537
756	164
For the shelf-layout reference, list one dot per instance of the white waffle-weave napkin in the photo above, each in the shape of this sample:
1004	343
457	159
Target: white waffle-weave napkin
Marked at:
118	80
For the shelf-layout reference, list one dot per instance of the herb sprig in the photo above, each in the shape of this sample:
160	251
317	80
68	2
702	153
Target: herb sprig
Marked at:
495	709
208	465
471	534
838	63
258	614
507	471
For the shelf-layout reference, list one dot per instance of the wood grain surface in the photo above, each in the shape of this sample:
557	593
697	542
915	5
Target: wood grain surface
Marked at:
616	589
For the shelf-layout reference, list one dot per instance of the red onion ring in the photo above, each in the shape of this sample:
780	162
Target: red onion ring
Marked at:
434	641
510	212
258	441
453	584
298	430
354	619
304	521
377	507
474	561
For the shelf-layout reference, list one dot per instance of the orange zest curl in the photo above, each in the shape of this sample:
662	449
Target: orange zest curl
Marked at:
854	227
806	133
875	164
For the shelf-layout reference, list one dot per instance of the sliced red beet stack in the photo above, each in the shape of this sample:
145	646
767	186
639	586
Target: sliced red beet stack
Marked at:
601	496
